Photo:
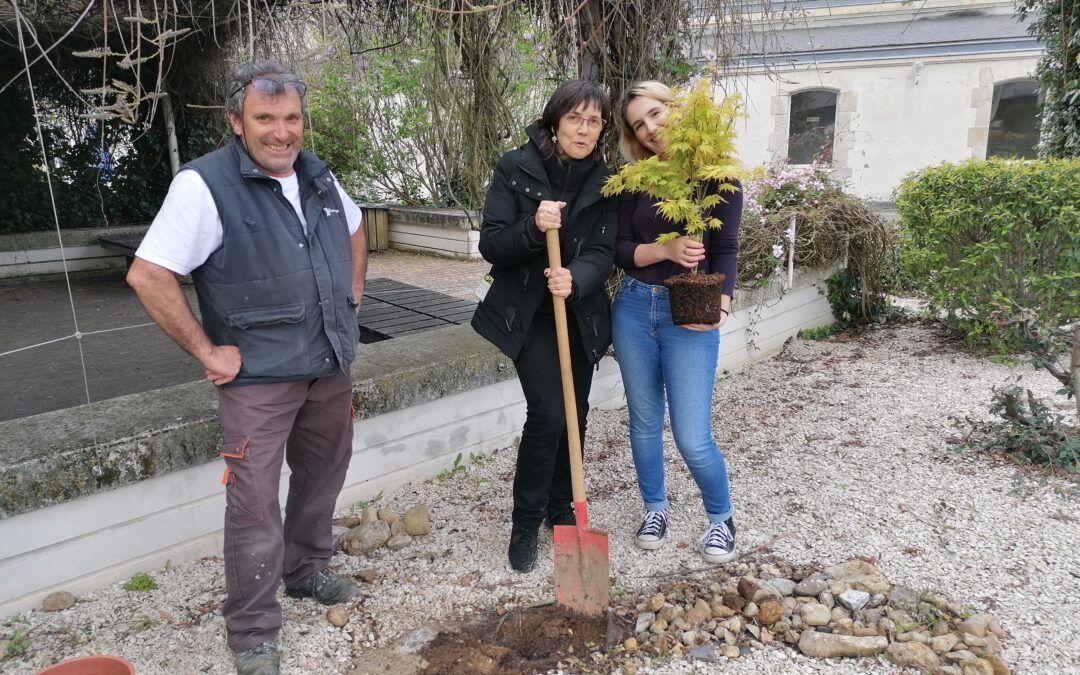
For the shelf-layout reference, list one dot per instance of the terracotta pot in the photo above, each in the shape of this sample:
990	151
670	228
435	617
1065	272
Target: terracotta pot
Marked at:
91	665
695	298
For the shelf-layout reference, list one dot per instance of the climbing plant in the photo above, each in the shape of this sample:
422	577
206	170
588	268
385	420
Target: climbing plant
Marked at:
437	89
1057	25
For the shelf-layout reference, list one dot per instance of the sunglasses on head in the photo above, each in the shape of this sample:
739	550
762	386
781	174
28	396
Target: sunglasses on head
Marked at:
272	87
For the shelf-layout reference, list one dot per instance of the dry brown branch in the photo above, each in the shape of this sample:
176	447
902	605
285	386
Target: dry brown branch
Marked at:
461	12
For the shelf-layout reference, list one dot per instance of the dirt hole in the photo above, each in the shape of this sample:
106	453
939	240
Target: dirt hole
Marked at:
522	642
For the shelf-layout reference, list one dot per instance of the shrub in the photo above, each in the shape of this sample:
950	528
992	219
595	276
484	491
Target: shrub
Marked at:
1027	431
820	333
996	246
994	236
830	226
140	582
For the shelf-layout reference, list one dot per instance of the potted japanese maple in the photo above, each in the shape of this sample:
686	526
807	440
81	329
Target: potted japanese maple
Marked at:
688	180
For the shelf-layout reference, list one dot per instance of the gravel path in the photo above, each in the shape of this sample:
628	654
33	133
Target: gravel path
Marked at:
836	448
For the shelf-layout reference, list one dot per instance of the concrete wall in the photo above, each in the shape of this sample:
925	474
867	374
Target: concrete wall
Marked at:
45	252
422	399
451	233
892	117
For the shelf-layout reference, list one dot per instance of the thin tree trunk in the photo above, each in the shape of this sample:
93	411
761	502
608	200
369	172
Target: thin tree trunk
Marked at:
1074	367
170	133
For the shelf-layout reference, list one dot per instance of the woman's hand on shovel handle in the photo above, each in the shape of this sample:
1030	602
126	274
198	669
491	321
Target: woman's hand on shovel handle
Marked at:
560	282
549	215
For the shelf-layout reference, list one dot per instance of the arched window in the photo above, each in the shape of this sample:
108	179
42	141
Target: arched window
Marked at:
1014	120
810	131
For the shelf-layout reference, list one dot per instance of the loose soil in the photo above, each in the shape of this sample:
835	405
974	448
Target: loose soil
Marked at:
695	298
521	642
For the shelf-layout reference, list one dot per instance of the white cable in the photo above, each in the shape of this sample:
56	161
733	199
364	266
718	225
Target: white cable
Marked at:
78	336
40	344
52	197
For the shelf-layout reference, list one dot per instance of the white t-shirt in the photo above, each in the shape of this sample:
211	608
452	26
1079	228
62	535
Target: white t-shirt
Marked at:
188	229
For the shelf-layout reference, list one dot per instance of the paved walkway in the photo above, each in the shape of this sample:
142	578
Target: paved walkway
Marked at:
121	353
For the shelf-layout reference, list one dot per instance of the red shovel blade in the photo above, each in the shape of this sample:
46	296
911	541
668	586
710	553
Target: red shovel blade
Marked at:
581	569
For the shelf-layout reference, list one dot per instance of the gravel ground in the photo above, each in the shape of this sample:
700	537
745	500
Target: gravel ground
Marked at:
835	448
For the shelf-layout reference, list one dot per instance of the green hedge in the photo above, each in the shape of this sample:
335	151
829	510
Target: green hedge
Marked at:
987	239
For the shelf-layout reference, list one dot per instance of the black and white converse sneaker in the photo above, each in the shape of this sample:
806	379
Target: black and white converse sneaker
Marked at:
718	542
650	535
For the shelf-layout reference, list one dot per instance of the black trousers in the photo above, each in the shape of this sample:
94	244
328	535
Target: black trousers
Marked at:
542	479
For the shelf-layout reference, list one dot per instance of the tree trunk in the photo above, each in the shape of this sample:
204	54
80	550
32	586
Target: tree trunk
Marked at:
170	134
592	41
1074	368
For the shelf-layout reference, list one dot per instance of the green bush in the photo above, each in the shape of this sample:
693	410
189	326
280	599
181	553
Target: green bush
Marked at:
990	238
1027	431
140	582
831	226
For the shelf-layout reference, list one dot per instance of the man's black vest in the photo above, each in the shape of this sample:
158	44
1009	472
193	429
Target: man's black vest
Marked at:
283	297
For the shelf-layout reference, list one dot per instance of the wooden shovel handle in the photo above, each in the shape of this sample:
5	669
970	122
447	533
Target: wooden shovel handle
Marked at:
562	334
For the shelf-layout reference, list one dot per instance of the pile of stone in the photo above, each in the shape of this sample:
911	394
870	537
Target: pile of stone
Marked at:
375	528
846	610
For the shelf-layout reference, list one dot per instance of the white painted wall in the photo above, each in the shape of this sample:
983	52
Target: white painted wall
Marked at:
442	241
51	260
97	540
892	118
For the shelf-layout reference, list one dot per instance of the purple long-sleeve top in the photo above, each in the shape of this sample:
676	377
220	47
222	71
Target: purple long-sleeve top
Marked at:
639	223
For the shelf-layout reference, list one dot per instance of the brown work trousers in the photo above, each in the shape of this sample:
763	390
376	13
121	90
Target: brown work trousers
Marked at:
307	423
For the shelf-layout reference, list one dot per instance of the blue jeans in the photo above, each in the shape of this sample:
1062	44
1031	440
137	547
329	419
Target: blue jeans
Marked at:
656	356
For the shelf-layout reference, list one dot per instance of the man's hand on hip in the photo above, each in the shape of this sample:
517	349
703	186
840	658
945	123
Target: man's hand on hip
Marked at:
358	296
222	364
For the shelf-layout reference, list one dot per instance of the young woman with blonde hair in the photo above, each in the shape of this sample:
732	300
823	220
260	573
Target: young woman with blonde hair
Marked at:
658	359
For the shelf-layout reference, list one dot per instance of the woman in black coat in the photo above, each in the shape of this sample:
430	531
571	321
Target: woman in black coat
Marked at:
551	182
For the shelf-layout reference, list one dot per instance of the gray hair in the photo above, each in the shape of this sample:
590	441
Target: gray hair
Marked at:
244	73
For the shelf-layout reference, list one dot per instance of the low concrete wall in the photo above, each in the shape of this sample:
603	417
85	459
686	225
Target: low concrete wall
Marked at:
452	233
767	317
92	494
42	253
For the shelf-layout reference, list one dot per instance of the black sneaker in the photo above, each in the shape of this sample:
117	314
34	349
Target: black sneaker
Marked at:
522	552
561	517
262	659
326	587
718	542
650	536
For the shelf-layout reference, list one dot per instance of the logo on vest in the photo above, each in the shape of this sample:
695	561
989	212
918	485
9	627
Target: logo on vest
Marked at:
329	212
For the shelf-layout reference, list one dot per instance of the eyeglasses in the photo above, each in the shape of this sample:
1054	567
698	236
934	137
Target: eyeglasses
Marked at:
272	87
591	123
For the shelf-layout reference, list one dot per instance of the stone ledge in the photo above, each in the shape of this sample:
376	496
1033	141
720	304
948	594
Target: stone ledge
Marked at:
450	218
72	237
67	454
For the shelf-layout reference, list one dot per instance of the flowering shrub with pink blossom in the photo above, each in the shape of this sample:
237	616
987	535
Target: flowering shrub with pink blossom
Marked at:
831	225
779	187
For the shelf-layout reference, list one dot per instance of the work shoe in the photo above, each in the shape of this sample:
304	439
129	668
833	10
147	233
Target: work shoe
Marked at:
262	659
326	587
650	536
522	552
563	516
718	542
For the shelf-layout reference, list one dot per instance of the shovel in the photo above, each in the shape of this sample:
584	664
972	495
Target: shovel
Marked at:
581	553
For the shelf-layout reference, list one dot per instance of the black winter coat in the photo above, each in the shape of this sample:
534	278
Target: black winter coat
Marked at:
511	242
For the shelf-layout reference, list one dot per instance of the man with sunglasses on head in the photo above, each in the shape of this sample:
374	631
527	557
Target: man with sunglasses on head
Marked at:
278	257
